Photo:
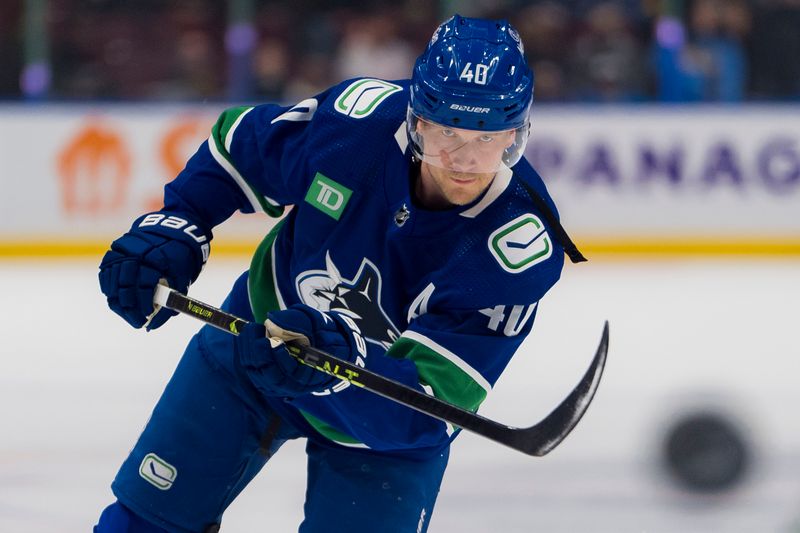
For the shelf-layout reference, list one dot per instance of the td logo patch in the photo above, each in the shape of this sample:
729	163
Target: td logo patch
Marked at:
362	97
520	244
157	471
328	196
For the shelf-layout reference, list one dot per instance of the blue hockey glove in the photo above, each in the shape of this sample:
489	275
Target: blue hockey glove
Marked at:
262	355
159	245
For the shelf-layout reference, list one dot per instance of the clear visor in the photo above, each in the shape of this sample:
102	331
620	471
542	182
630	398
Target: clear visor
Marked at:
461	150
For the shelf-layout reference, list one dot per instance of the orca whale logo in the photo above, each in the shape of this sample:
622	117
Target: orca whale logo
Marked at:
358	297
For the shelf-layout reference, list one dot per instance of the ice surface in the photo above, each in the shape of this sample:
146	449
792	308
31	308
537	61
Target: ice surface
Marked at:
77	385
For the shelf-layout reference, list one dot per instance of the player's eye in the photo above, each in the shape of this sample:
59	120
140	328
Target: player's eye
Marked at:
447	132
486	138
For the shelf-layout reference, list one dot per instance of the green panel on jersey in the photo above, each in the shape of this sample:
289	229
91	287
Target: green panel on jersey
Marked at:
328	431
218	133
449	383
260	282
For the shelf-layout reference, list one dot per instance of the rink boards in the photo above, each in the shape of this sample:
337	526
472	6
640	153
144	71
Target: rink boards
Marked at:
634	180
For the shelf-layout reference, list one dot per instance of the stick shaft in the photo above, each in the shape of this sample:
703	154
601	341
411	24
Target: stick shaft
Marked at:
536	440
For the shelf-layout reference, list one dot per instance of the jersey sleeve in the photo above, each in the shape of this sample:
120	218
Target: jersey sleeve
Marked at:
460	353
458	356
253	161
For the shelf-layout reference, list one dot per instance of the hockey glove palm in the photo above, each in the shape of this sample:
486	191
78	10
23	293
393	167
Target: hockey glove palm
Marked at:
158	246
262	356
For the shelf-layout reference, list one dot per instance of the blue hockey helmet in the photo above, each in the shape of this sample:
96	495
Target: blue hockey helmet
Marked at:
473	75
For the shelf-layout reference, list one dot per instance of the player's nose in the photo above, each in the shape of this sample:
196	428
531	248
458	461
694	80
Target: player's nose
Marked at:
463	160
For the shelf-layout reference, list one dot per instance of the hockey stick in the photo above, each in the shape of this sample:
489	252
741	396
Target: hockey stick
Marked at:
536	440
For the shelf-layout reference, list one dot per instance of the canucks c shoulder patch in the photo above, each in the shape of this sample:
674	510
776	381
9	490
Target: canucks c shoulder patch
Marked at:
362	97
520	244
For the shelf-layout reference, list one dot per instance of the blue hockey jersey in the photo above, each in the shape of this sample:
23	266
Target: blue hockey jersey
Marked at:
444	298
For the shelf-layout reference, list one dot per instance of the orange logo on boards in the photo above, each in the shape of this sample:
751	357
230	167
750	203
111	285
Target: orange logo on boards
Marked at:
175	148
94	169
180	142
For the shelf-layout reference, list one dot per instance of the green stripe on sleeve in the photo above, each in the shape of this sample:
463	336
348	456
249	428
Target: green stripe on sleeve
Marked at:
448	381
225	126
226	121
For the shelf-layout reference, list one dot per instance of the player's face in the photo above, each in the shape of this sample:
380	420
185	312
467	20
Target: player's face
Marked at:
458	164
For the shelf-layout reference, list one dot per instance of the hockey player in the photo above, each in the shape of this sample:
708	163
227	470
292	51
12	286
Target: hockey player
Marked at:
418	245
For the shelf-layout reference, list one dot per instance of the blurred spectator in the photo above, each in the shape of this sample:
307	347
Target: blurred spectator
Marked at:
271	69
370	46
189	61
77	41
709	65
550	82
776	49
310	77
545	30
10	48
124	51
581	8
580	50
607	63
193	69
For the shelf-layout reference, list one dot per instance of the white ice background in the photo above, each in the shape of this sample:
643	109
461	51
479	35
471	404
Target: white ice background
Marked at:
77	385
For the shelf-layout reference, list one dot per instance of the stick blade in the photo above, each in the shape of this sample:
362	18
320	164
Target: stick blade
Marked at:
540	439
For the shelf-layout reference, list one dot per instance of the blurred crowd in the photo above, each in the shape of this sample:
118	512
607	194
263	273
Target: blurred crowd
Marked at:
581	50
